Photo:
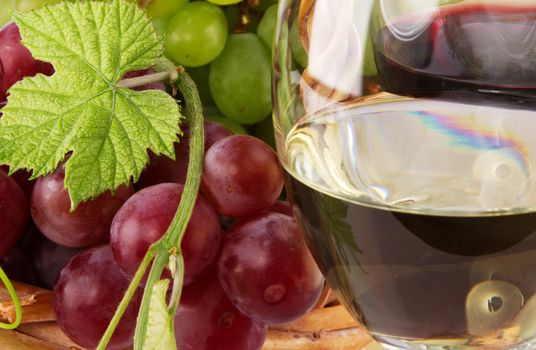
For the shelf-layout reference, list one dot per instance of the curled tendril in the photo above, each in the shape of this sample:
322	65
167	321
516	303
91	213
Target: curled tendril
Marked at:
16	302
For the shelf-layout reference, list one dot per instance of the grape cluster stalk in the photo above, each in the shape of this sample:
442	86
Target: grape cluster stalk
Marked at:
161	252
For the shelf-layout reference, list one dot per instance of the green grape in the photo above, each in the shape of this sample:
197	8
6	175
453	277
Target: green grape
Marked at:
240	79
265	131
232	126
266	28
20	6
224	2
160	25
28	5
200	77
163	9
296	46
196	34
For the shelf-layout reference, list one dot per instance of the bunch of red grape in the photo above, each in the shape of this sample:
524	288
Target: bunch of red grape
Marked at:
256	273
246	262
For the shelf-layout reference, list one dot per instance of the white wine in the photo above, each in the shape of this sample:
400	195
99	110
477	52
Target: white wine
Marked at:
422	215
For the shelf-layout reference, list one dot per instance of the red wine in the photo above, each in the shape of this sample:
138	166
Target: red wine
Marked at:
486	48
418	276
421	214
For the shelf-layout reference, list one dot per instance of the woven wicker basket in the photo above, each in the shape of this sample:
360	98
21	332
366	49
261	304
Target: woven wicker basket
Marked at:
327	327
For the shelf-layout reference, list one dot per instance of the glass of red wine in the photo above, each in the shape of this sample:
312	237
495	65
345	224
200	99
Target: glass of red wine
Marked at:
407	129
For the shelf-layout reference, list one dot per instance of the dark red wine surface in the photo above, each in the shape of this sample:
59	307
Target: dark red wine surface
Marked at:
464	47
410	275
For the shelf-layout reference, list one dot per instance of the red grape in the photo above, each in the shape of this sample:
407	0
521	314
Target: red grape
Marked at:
85	298
206	320
18	267
267	270
13	212
49	258
146	216
88	225
213	133
16	61
162	169
241	176
21	177
282	207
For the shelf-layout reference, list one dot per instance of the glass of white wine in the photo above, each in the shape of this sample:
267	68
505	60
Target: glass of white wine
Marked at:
407	129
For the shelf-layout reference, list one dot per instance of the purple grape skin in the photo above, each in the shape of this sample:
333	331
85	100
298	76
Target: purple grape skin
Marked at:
18	267
162	169
49	258
14	212
16	61
282	207
206	320
241	176
144	219
88	225
22	178
86	296
267	271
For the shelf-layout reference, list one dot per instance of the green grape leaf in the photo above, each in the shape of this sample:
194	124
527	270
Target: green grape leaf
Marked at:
80	110
160	334
334	213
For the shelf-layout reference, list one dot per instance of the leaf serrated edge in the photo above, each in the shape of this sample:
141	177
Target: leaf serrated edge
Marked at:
23	20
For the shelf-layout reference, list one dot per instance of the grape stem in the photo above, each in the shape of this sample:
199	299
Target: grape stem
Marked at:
169	245
171	75
133	286
177	285
16	302
171	241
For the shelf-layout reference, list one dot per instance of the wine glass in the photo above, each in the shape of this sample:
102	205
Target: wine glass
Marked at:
407	129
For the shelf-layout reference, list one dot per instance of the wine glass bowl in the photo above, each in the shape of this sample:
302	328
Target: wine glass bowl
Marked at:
407	129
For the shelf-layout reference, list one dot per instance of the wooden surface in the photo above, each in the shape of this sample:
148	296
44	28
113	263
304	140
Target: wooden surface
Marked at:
327	327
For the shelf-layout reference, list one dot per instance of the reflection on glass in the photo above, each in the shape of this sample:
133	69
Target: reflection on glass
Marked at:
408	133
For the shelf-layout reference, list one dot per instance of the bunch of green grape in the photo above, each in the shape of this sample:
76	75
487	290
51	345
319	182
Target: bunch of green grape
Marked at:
8	6
226	47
